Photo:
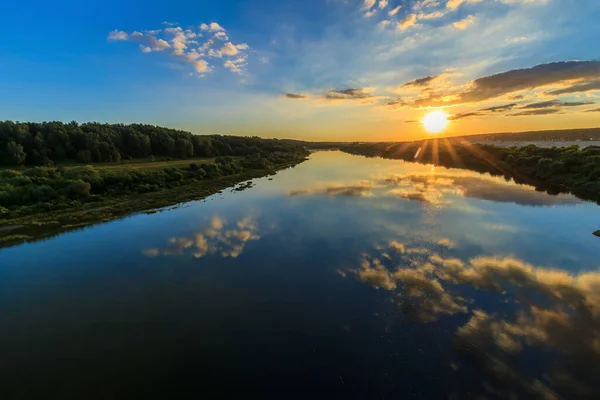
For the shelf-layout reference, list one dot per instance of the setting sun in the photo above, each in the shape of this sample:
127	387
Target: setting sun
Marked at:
435	121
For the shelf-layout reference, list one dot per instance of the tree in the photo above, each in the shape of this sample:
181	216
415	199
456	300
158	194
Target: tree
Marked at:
183	148
15	154
84	156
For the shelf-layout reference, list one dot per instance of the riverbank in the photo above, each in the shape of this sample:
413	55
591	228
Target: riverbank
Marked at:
553	170
41	225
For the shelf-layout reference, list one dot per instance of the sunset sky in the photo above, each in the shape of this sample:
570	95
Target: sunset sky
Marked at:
311	69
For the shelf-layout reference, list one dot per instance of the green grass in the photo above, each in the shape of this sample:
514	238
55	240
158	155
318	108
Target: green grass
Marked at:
14	238
47	224
145	163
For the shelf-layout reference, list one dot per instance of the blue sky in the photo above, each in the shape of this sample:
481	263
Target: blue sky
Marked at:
314	69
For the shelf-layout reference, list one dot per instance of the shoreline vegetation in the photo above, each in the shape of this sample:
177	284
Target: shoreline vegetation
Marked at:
553	170
49	184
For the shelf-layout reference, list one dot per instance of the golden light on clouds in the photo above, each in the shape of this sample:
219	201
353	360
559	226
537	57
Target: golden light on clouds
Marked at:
435	121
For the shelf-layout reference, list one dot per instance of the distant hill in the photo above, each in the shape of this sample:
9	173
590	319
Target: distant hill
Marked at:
550	135
562	135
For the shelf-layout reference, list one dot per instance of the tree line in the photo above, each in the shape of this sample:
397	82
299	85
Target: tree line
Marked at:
50	143
554	170
536	136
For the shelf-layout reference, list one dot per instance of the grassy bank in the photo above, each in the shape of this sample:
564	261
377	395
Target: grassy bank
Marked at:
45	201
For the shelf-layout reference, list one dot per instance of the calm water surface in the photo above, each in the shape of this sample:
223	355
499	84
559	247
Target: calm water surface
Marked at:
343	277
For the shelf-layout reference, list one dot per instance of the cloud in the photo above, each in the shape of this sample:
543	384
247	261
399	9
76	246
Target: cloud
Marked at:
383	4
581	87
295	96
454	4
425	81
117	35
221	36
503	83
182	44
502	108
464	23
394	11
594	110
212	27
407	22
348	94
432	15
462	115
556	103
236	65
201	66
534	112
229	49
368	4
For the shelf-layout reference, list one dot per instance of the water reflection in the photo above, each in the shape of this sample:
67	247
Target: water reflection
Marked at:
550	313
215	239
361	189
438	189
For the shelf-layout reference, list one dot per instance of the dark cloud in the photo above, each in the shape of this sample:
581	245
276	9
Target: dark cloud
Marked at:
462	115
411	121
556	103
501	108
594	110
421	81
396	102
348	94
580	87
543	104
535	112
295	96
492	86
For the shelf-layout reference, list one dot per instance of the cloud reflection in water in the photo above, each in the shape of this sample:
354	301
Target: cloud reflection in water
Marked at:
438	189
215	239
554	313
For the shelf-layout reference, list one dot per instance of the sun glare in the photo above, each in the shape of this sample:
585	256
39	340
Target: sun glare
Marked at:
435	121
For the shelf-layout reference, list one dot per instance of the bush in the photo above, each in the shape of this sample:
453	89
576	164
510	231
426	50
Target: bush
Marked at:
78	189
44	193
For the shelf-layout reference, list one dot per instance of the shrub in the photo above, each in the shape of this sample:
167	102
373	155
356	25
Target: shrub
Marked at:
78	189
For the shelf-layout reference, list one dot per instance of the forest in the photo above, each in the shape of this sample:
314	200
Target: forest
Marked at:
50	143
47	166
555	170
537	136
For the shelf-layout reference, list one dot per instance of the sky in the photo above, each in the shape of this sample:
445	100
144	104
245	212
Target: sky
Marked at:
359	70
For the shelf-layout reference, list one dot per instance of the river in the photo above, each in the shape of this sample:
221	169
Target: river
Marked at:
343	277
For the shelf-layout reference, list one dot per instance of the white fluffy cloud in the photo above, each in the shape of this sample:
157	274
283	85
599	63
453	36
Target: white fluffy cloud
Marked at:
229	49
117	35
182	44
201	66
213	27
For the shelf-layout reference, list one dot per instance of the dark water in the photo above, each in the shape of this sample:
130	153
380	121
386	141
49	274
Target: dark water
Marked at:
344	277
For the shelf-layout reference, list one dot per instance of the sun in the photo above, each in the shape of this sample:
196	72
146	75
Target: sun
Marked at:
435	121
